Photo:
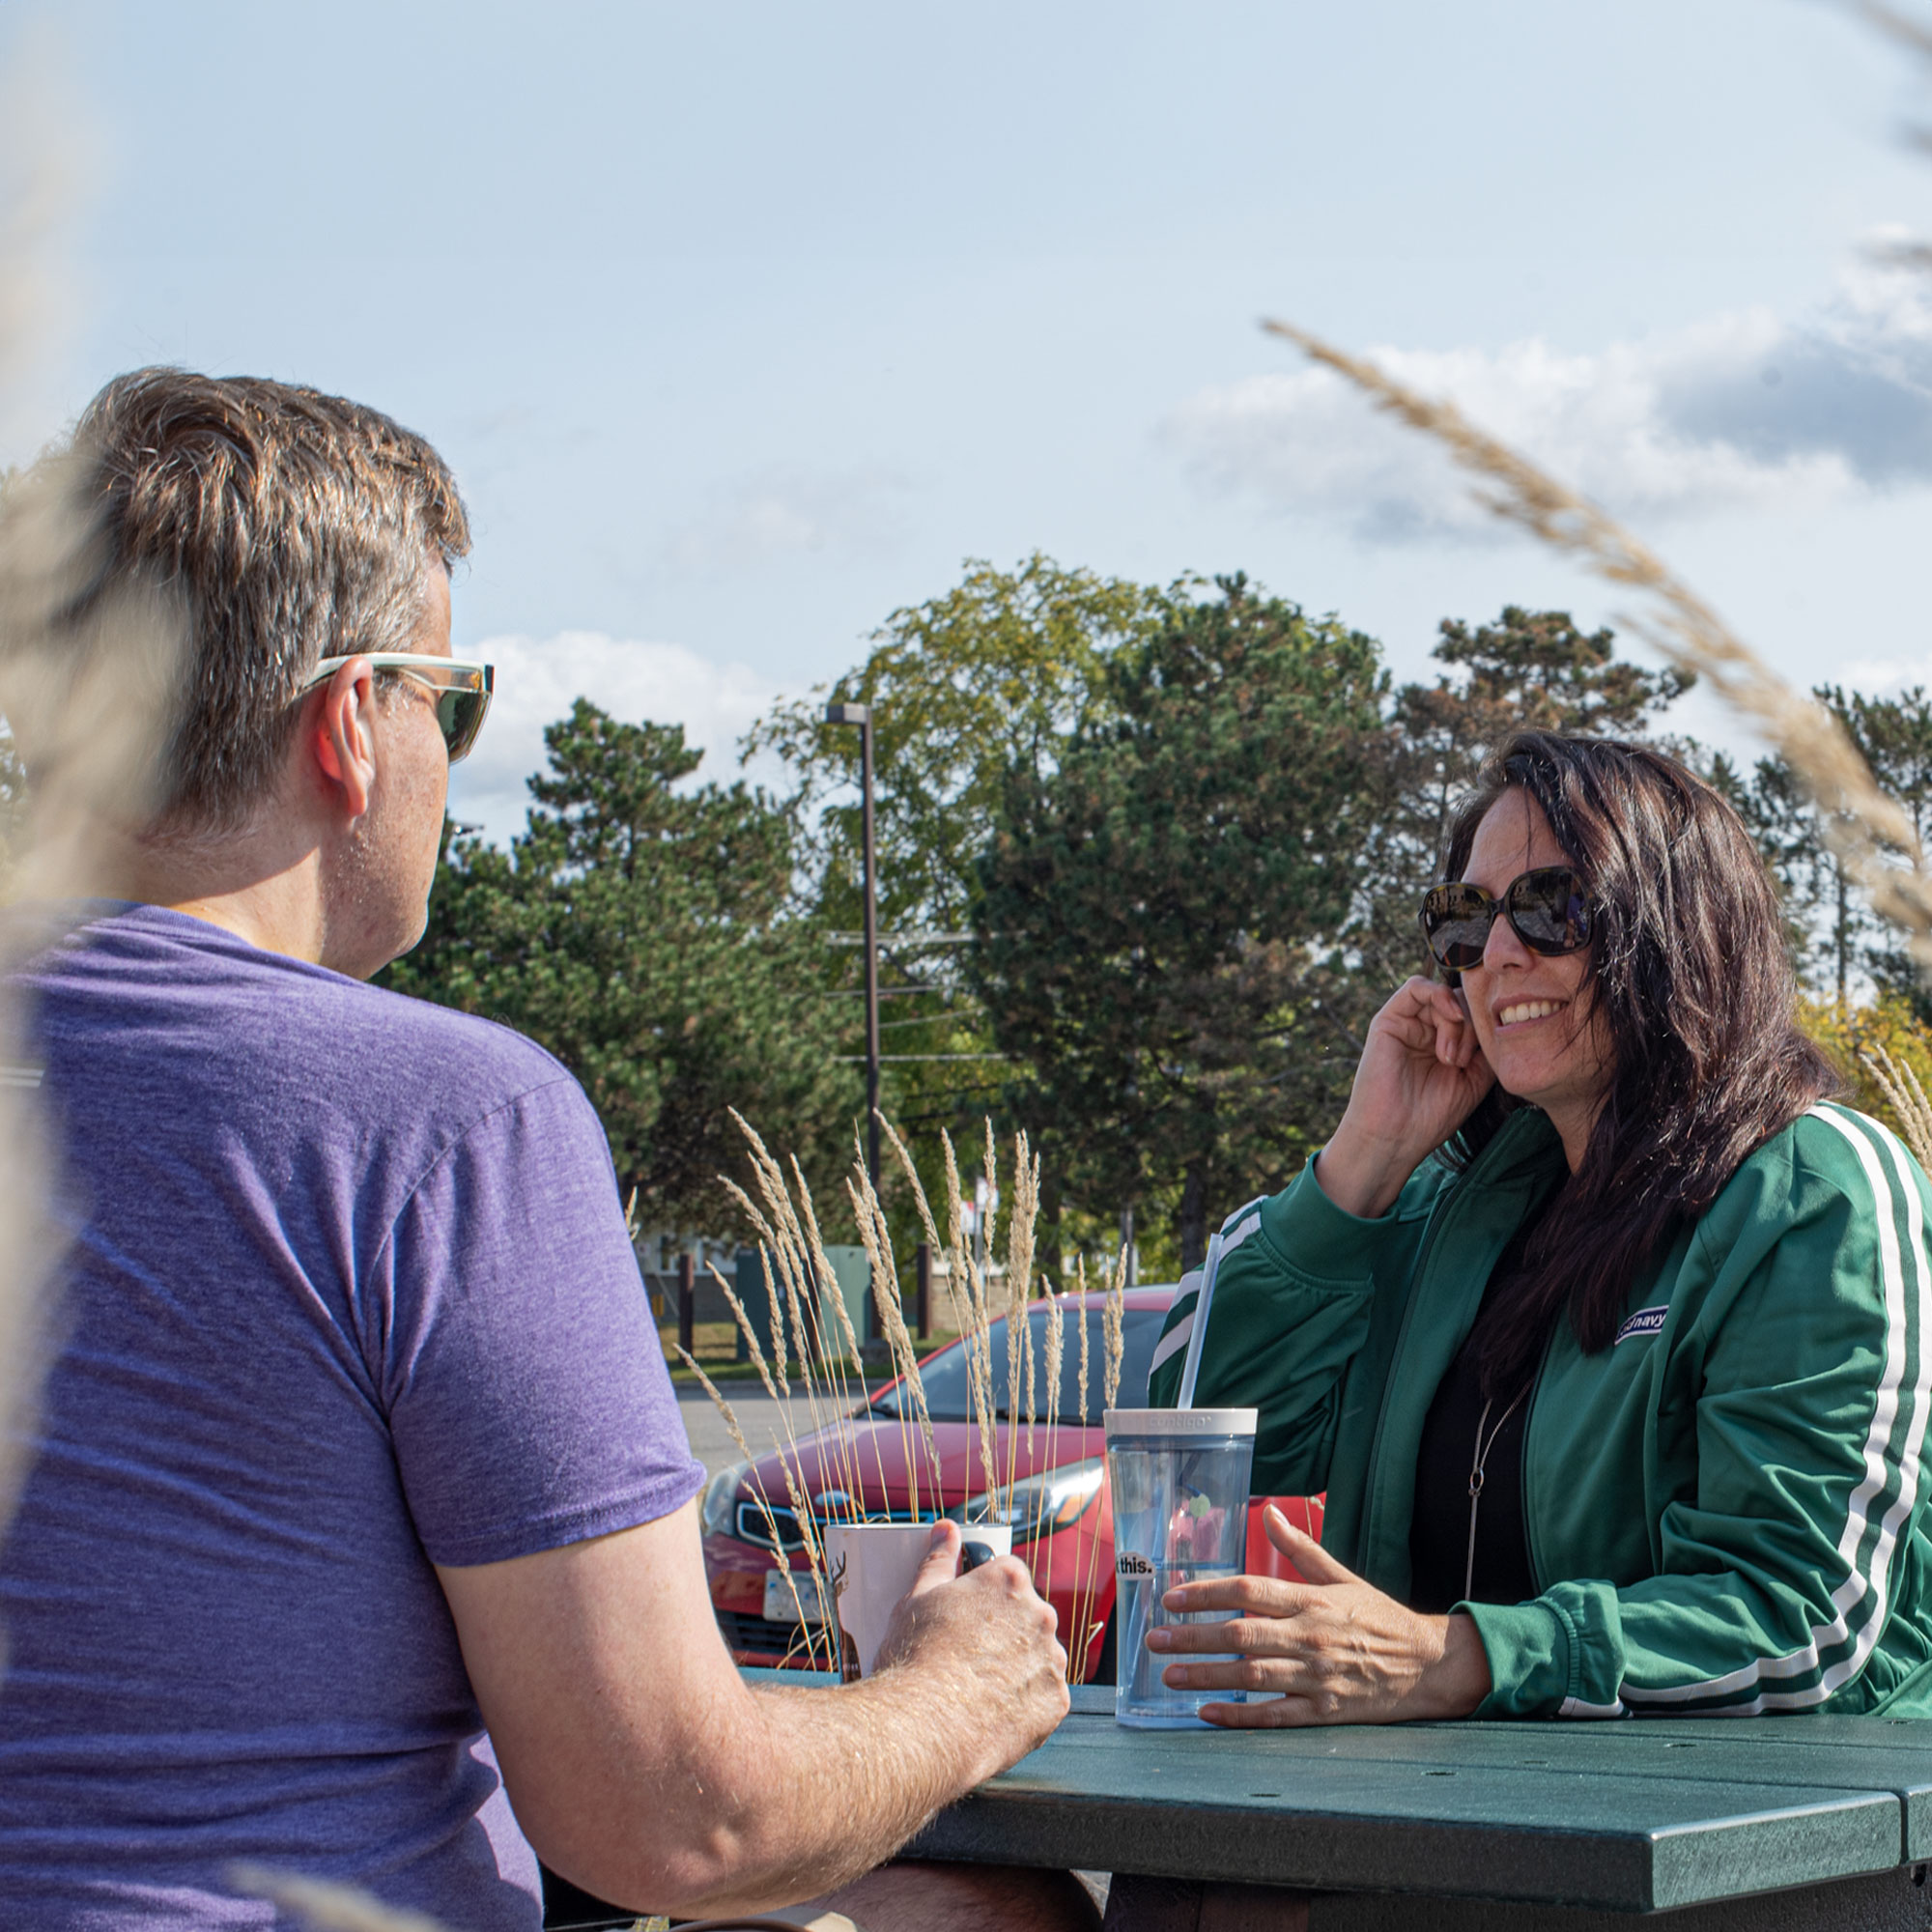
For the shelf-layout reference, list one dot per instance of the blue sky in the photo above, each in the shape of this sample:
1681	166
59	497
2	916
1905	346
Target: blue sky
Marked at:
744	323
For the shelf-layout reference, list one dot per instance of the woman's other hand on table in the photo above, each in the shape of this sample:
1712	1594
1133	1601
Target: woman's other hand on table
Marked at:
1332	1650
1420	1075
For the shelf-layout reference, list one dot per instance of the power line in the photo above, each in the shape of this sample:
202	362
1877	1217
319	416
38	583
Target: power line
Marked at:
901	938
884	992
901	1057
919	1019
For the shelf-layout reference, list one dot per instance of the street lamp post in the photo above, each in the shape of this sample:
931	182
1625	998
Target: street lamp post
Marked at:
861	714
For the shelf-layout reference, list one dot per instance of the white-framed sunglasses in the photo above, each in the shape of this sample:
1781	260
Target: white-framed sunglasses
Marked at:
461	686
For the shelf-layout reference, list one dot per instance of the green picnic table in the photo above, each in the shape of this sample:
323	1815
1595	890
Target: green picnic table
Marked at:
1741	1823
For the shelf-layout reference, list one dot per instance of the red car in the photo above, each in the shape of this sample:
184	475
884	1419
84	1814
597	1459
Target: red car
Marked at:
1063	1518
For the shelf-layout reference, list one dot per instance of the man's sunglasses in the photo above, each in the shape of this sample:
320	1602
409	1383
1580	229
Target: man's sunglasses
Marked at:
1547	910
460	687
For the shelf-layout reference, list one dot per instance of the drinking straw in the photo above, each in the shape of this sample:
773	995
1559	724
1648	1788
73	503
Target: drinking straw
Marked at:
1192	1366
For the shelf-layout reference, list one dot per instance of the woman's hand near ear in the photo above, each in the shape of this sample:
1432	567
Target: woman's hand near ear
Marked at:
1420	1075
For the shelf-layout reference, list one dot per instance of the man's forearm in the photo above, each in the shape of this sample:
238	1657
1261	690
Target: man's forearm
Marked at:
824	1785
643	1767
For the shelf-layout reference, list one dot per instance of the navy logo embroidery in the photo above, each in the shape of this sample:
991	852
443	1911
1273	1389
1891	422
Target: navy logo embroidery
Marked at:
1645	1321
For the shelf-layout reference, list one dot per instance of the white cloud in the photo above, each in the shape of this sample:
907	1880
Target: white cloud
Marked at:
783	514
1742	412
1882	677
539	679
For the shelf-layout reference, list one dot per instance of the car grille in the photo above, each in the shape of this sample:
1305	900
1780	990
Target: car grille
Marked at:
754	1634
752	1528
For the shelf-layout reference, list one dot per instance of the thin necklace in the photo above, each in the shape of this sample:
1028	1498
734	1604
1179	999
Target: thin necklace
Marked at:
1483	1448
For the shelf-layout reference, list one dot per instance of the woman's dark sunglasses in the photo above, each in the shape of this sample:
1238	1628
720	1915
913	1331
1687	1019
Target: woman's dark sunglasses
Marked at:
460	688
1547	910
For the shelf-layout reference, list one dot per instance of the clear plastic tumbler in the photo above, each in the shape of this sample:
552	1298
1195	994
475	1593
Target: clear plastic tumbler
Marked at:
1179	1484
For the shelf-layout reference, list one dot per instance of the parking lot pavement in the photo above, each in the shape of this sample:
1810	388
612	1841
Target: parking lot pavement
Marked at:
757	1416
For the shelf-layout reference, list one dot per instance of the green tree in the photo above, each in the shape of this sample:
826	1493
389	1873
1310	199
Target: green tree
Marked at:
1836	938
1895	736
1153	903
645	936
993	675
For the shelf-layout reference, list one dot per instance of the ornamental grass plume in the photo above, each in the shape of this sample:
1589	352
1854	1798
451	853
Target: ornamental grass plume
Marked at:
1898	1080
84	686
799	1278
1113	1353
875	1234
325	1906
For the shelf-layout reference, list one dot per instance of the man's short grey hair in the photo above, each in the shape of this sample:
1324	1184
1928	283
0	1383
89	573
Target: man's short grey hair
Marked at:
283	526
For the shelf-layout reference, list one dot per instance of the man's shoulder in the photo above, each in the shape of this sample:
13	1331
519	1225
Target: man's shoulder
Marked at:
169	984
461	1055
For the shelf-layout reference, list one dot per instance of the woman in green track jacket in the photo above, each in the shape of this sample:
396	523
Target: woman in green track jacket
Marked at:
1603	1327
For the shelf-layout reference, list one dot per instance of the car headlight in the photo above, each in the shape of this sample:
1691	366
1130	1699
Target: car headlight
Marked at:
1041	1505
717	1516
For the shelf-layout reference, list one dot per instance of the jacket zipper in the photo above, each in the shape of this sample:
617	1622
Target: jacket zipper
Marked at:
1416	1275
1528	1421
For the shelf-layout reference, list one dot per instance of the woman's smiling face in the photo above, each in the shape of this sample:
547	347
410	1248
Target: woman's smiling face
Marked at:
1538	1027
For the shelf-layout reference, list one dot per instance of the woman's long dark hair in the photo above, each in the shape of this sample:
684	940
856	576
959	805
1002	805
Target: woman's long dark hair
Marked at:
1688	968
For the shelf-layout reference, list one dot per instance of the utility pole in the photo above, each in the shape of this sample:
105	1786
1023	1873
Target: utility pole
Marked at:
861	714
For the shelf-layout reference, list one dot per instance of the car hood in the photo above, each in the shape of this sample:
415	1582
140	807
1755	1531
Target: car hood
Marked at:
877	1461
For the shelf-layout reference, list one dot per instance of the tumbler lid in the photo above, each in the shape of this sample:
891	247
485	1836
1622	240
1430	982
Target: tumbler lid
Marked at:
1180	1421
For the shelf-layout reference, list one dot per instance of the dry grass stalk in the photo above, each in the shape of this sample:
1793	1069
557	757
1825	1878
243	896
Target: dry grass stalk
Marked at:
767	1241
904	1353
745	1329
972	1315
875	1233
737	1435
1866	829
1087	1557
805	1275
1915	36
1900	1084
876	1240
789	1463
327	1906
1021	1228
836	1359
1085	1579
1116	1319
1080	1276
787	1225
1055	1351
778	1390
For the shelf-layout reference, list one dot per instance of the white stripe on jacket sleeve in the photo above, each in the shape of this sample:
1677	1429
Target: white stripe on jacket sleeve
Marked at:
1874	1580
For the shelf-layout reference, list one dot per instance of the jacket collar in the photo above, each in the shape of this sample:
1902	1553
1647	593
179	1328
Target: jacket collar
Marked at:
1525	1147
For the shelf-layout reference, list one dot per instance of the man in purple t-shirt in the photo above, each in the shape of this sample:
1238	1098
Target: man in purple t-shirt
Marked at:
362	1511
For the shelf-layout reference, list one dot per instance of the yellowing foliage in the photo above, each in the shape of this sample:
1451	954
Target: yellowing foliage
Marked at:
1846	1029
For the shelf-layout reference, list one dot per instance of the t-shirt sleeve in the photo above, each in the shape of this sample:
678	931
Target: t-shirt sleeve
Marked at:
514	1352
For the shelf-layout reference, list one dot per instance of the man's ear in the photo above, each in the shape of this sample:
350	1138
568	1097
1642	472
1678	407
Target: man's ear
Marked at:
340	736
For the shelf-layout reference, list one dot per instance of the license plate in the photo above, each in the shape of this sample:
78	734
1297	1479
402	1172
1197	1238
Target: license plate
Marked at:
780	1608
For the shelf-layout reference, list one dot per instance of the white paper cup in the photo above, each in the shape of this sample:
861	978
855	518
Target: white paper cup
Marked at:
872	1564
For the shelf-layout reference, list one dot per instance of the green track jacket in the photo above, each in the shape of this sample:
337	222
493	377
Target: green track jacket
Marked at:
1725	1508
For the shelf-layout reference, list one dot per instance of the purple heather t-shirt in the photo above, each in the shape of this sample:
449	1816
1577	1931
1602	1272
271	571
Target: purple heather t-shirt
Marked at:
351	1295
